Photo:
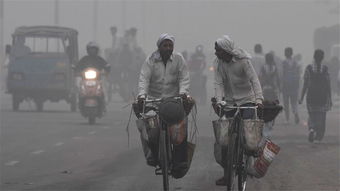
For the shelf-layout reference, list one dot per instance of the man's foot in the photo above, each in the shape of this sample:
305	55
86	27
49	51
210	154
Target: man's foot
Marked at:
317	138
297	119
221	182
287	122
180	166
179	170
287	119
311	136
152	162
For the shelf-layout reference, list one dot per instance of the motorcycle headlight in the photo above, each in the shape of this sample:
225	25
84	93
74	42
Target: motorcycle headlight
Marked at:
90	74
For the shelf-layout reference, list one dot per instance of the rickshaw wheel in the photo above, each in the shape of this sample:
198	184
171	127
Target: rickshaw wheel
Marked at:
73	104
15	103
40	105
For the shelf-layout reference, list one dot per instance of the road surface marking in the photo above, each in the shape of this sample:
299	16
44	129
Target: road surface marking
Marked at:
92	132
59	144
12	163
77	138
37	152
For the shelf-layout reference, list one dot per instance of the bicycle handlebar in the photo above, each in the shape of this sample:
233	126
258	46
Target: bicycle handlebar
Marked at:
155	100
224	105
241	107
148	100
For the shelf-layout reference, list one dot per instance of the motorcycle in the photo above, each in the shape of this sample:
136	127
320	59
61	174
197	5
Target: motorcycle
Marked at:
198	87
91	95
198	80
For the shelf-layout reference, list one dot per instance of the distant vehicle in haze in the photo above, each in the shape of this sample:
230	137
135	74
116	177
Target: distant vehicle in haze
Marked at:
325	38
40	65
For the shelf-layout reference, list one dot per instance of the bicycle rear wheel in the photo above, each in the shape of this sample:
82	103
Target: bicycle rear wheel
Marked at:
230	170
164	160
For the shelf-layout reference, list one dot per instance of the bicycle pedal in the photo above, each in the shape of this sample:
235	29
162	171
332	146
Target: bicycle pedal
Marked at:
158	171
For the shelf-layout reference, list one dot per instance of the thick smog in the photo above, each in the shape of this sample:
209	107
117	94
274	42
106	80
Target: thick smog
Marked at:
169	95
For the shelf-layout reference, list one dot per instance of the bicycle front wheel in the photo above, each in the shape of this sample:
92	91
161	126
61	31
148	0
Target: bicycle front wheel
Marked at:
242	171
164	160
230	170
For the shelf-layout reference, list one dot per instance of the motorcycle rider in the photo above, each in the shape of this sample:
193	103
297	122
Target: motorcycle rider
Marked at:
165	74
236	81
197	65
198	62
93	60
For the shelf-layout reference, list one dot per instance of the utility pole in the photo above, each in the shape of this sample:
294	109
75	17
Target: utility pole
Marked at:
95	19
2	54
56	18
56	12
144	11
124	15
1	32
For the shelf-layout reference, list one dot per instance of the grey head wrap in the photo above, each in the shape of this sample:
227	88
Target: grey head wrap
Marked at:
165	36
227	44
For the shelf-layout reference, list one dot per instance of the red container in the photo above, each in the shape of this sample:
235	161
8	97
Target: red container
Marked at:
268	153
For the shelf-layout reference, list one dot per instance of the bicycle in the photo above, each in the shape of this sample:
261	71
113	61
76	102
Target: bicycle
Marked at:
165	148
236	154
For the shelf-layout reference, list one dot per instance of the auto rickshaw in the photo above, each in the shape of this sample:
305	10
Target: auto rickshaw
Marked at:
40	66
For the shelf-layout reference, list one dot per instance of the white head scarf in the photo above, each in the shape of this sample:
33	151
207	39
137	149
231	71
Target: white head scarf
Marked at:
227	44
165	36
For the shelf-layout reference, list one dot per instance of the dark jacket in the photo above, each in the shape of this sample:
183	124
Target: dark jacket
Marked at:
92	61
317	86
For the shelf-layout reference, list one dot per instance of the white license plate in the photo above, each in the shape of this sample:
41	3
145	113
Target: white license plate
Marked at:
90	83
90	102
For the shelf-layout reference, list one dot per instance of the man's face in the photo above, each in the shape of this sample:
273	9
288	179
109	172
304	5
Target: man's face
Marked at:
288	53
221	54
21	41
318	57
92	51
113	31
269	59
166	48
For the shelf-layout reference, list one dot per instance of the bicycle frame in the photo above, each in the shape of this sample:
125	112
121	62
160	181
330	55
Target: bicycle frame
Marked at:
165	154
165	148
236	158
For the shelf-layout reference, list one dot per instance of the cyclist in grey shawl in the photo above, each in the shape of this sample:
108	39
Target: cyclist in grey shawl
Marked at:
236	81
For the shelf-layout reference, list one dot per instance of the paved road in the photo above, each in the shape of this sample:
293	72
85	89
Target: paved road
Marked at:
58	150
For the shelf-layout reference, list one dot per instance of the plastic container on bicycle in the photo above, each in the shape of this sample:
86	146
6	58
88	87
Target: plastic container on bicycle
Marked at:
262	163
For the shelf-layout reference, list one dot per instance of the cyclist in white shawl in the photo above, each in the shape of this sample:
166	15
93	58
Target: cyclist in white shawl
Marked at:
165	74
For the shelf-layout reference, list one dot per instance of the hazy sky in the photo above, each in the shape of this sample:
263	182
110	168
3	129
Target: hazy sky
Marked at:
274	24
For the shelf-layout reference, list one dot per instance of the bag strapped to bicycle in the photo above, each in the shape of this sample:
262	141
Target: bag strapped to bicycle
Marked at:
252	129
